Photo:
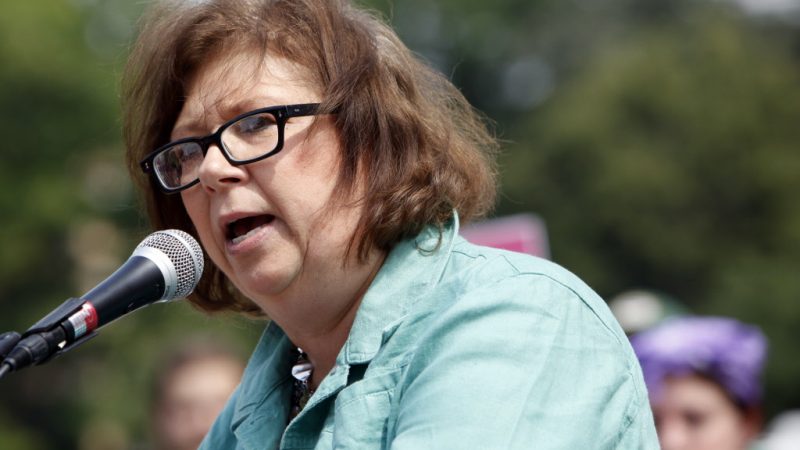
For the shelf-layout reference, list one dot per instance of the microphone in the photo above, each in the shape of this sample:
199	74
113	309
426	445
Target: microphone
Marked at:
166	265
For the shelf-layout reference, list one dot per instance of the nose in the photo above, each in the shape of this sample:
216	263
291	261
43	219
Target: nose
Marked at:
217	173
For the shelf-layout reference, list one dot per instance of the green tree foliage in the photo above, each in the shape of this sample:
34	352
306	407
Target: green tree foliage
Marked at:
671	162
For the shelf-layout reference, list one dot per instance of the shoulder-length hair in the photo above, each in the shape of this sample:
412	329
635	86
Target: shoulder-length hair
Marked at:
406	132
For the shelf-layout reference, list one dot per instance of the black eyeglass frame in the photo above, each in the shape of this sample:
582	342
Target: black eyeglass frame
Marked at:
282	113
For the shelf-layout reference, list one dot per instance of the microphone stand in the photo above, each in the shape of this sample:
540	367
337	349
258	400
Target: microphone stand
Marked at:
42	342
7	342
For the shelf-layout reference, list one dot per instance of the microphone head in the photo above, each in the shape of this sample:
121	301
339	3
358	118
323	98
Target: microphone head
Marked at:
179	257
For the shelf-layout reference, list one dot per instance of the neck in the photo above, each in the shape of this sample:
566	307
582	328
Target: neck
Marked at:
320	324
323	346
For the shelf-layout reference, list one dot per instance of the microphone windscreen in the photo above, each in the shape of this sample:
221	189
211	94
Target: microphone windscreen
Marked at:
184	254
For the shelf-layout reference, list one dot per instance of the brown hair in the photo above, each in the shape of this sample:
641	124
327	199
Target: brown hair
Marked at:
406	131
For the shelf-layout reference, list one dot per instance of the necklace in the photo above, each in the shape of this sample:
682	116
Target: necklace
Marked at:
301	389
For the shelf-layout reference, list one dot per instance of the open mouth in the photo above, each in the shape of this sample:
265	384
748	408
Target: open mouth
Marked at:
241	229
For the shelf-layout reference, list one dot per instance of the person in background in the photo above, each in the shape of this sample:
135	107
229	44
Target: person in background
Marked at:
325	171
189	391
704	379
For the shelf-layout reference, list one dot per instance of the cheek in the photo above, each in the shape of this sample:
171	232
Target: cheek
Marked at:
717	432
191	202
305	189
731	431
197	209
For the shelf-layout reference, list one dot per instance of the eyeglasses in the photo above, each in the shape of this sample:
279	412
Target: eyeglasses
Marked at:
246	138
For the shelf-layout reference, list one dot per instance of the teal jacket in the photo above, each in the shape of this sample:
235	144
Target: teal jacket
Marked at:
455	346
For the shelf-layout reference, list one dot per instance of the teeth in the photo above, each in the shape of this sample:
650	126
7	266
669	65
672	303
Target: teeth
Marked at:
238	239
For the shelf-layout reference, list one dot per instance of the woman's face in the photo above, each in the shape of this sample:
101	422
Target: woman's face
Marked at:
265	224
693	413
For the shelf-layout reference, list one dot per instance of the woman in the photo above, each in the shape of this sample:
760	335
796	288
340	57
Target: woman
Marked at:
324	169
704	377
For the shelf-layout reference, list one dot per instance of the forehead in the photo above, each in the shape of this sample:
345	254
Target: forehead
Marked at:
227	86
693	392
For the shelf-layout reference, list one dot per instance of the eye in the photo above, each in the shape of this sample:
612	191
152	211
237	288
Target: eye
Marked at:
694	419
255	124
251	136
178	164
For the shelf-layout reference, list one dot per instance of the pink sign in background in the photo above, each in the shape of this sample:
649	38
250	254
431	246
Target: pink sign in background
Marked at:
524	233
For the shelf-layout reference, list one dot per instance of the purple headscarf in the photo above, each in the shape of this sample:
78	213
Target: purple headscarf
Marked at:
725	350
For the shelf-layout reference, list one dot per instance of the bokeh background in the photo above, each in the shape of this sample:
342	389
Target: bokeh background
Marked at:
658	141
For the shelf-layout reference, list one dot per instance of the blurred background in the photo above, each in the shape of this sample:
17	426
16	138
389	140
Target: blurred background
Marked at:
658	142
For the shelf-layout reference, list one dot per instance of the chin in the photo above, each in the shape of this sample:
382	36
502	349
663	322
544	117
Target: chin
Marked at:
266	284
